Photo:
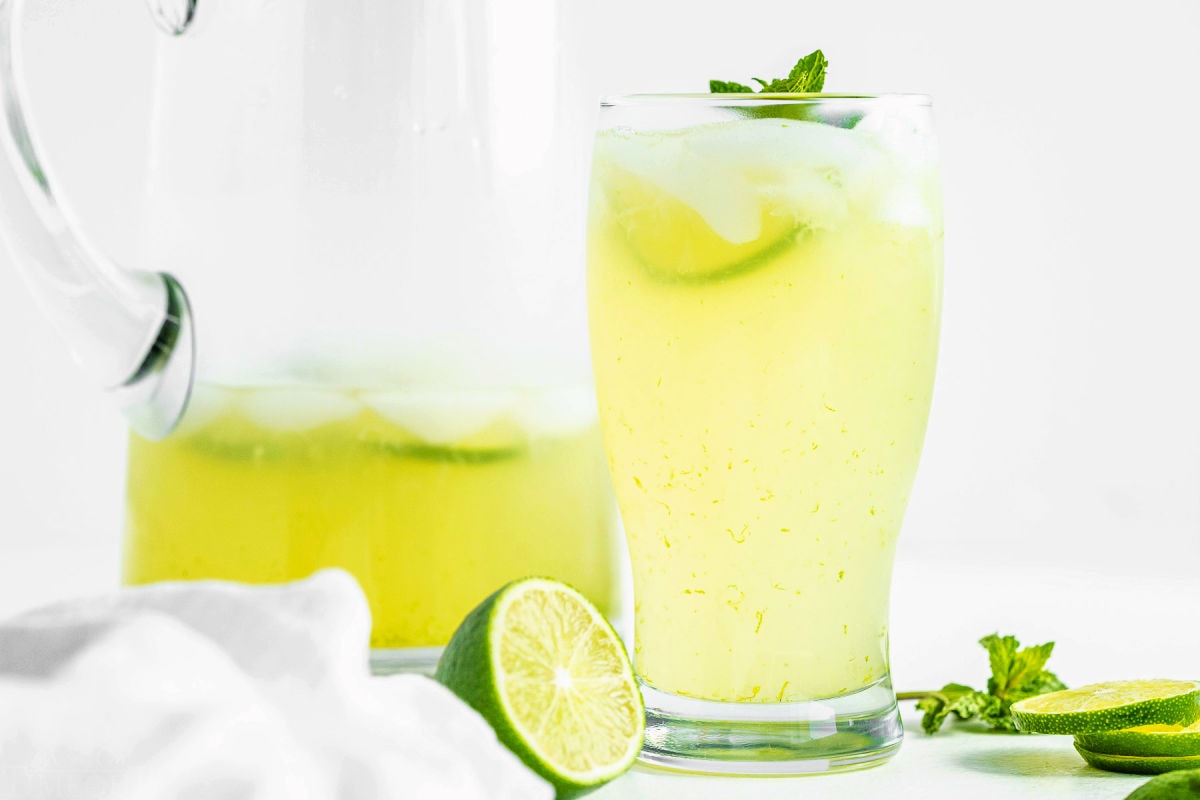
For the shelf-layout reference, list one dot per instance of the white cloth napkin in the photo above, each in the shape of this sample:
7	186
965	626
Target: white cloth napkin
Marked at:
221	691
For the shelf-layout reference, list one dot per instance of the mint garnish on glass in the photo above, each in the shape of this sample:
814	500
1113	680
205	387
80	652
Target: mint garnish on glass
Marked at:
807	76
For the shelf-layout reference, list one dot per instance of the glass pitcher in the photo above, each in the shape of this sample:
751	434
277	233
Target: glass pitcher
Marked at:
366	346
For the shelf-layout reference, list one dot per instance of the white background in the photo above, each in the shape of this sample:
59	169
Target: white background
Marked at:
1065	425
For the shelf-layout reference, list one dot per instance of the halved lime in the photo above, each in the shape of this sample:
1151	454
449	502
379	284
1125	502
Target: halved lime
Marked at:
1109	706
1140	765
1145	740
547	671
1183	785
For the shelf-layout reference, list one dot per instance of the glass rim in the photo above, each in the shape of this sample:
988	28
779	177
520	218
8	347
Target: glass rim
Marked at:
755	98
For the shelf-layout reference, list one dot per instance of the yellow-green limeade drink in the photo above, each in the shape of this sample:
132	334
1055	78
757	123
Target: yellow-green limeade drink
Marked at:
431	500
764	306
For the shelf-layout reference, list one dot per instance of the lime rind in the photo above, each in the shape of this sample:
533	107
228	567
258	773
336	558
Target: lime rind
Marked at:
674	241
1148	740
1138	765
1109	706
451	455
1177	785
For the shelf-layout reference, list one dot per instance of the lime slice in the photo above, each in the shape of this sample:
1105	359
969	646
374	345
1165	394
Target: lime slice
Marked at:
1109	707
718	200
1183	785
1140	765
451	455
453	426
673	240
547	671
1145	740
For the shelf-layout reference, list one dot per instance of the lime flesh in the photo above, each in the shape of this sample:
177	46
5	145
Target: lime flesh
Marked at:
547	671
1111	706
674	242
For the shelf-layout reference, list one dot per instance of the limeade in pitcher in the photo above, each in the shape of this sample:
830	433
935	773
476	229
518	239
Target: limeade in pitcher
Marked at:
764	303
432	500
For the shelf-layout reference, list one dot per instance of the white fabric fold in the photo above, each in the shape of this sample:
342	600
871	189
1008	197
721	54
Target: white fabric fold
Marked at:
221	691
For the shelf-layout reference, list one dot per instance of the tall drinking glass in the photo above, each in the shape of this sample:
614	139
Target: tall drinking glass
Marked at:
764	282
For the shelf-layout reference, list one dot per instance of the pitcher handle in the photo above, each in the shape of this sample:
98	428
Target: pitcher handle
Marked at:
130	330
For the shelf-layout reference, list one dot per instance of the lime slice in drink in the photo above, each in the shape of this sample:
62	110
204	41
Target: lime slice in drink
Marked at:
674	240
1145	740
1109	707
450	426
547	671
719	200
1140	765
1183	785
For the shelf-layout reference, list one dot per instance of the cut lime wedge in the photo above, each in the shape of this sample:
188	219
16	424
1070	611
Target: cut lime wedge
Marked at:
547	671
1109	706
1140	765
1145	740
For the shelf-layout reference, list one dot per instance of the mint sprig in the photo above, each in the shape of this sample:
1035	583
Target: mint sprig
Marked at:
728	87
1017	673
806	77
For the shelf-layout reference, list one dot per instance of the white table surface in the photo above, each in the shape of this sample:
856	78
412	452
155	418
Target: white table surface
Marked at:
1107	626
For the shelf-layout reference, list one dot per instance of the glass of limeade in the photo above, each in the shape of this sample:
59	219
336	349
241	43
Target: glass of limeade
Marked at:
764	289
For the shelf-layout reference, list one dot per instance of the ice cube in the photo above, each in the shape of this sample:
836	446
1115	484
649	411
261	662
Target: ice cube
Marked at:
444	416
904	205
726	200
902	130
297	409
730	171
766	145
557	412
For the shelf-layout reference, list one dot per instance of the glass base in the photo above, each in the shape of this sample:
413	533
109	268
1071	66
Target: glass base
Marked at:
830	735
405	660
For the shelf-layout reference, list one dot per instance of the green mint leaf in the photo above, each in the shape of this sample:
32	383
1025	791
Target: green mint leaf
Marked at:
978	704
1017	673
807	76
935	713
998	717
1045	682
961	701
1001	652
1028	665
938	705
728	87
